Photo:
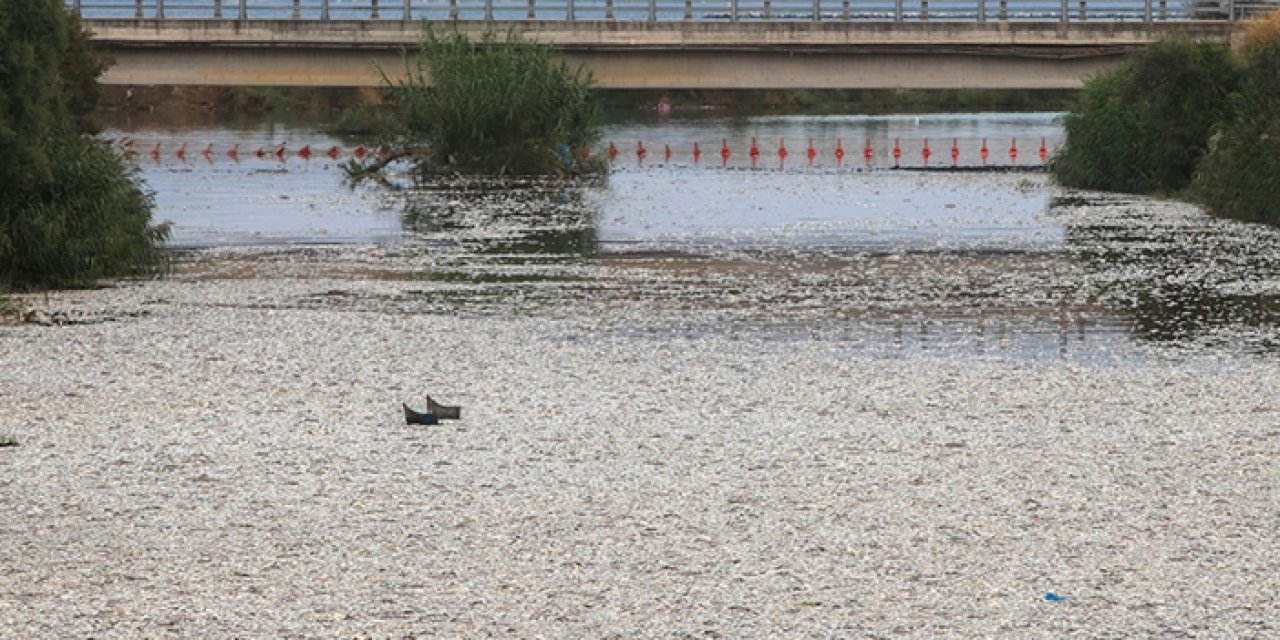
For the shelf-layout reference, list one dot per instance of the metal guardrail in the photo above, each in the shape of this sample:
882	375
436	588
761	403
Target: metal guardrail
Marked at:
680	10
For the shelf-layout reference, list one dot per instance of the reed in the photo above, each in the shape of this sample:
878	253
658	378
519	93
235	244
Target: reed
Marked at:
493	107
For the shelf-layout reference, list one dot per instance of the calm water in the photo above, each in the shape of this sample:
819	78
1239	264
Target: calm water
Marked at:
883	261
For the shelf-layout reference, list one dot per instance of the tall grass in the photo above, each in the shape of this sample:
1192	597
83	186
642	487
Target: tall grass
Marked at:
493	106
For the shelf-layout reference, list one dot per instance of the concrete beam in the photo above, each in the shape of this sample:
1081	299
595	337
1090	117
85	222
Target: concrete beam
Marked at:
658	55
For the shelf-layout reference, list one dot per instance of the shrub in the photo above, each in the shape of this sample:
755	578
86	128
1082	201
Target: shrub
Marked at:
1240	178
1142	126
70	210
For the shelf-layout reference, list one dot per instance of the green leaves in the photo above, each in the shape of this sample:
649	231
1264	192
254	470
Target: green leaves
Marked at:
71	211
493	106
1142	126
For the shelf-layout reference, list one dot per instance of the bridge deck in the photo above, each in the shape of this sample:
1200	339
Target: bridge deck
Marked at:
675	54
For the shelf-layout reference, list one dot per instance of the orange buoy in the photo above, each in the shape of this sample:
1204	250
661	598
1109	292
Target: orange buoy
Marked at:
332	152
305	152
839	151
782	149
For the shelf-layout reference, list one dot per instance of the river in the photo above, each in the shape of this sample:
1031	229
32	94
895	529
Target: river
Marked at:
887	254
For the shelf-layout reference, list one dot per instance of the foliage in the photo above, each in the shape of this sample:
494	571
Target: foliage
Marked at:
495	107
1142	126
70	210
1240	177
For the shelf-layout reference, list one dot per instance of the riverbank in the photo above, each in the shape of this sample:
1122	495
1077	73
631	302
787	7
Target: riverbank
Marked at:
222	453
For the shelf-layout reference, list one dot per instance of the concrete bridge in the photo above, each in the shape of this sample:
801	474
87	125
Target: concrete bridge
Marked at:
650	44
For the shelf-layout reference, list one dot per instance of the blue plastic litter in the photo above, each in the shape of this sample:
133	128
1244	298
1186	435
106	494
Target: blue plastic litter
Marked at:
1054	597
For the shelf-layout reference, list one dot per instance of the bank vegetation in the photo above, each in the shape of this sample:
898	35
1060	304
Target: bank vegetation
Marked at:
72	211
1186	119
493	107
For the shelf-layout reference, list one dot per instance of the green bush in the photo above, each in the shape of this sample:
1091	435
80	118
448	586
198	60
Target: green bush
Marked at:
1240	178
71	211
493	107
1142	126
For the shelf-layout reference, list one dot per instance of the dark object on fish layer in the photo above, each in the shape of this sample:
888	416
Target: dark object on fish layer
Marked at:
444	412
413	417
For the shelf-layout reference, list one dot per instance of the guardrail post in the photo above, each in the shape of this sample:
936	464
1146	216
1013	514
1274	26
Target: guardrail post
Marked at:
924	10
688	10
297	10
75	7
408	10
1004	9
137	8
768	9
373	9
573	11
533	13
1084	10
982	10
897	10
733	10
159	9
453	9
1146	10
653	10
488	10
1066	12
244	9
1231	10
217	8
608	10
1164	9
844	10
324	9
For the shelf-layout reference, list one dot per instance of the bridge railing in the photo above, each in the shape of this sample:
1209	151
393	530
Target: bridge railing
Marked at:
676	10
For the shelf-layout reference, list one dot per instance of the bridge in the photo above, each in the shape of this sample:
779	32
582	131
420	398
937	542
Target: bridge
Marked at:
653	44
